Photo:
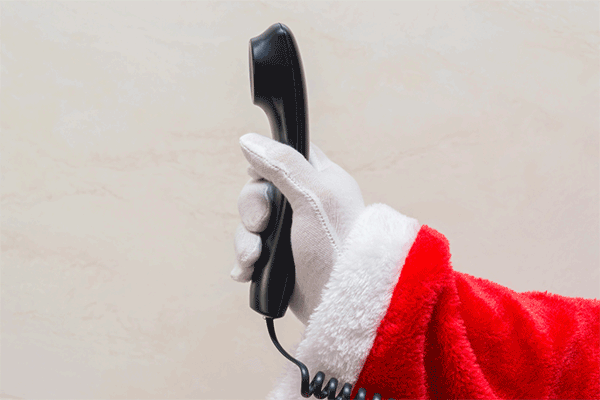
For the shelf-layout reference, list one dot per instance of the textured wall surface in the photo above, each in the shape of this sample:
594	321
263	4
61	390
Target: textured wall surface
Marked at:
121	170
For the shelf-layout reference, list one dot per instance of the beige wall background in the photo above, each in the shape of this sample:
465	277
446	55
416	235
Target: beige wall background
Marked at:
121	170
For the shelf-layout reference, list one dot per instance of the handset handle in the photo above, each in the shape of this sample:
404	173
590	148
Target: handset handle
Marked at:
277	84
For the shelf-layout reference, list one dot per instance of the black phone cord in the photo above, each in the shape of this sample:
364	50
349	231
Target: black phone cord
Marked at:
313	388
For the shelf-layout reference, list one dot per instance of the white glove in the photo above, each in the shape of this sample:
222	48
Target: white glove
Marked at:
325	201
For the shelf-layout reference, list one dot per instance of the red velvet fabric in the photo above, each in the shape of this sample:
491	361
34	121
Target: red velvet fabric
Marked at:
449	335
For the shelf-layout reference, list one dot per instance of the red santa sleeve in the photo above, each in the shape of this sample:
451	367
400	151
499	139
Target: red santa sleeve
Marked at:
397	320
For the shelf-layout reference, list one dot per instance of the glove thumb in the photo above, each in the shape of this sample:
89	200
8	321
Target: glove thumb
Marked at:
281	165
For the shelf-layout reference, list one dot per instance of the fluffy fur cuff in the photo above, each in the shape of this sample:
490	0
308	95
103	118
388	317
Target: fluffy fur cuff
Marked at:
341	331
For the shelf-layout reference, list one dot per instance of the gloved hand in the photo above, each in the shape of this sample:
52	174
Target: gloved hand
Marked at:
325	201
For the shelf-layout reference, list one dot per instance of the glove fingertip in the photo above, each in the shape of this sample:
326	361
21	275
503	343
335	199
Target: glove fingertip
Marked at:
254	175
241	275
252	141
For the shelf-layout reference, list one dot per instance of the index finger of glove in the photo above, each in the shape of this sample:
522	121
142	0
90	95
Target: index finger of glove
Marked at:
282	165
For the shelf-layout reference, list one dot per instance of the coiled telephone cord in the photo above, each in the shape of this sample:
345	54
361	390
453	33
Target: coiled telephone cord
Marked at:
313	388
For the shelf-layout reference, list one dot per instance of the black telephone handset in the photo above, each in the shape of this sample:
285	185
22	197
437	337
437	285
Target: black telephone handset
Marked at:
277	84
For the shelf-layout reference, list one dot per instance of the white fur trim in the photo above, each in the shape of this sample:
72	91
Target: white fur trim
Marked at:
341	331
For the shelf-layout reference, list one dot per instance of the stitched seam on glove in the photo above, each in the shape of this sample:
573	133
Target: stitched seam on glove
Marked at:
310	199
